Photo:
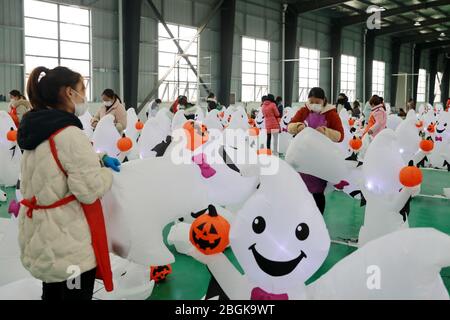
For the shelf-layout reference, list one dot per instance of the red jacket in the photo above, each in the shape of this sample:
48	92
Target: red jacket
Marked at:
271	115
333	120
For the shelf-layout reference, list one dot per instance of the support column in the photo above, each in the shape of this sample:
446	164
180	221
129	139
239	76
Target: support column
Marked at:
290	53
370	52
395	68
417	55
433	71
131	44
336	37
445	83
228	15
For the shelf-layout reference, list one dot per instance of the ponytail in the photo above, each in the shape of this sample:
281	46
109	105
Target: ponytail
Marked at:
44	85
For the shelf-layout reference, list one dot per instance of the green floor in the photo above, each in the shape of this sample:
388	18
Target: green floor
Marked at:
343	216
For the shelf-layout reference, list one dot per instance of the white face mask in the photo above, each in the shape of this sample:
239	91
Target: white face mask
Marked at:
108	103
315	107
80	108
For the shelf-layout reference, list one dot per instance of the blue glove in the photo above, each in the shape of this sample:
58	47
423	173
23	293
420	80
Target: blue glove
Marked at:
112	163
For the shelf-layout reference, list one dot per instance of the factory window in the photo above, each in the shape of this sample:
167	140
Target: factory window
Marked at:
348	76
58	35
437	87
421	85
255	69
378	77
309	64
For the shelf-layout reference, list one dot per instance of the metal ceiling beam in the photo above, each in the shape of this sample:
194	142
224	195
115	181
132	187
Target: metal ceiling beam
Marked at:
422	37
434	44
409	26
312	5
393	12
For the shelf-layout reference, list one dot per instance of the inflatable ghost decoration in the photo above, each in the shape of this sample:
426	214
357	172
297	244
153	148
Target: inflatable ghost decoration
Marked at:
349	131
10	154
260	120
312	152
408	138
105	138
239	120
438	158
132	132
387	199
393	121
179	119
140	205
213	121
285	137
199	115
154	139
277	261
86	119
3	197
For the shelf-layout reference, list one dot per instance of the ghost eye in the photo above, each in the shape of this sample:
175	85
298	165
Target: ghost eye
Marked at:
302	232
259	225
445	125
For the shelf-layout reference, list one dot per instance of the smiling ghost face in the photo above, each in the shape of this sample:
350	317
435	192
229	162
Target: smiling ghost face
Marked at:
279	247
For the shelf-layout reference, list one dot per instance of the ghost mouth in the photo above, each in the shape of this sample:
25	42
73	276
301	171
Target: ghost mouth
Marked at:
230	164
259	123
440	131
276	268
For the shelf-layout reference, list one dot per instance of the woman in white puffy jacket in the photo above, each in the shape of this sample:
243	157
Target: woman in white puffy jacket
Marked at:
61	228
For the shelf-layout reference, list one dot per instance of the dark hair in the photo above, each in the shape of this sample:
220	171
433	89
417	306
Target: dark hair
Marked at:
271	98
319	94
111	94
375	100
44	85
211	96
279	99
356	104
264	98
16	93
158	101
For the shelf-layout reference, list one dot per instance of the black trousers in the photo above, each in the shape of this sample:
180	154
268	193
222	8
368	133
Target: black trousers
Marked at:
269	140
61	292
320	201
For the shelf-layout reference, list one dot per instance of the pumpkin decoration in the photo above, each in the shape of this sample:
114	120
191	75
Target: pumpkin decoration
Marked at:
351	122
419	124
267	152
427	145
431	128
210	232
355	143
12	135
160	273
253	132
197	135
410	176
124	144
139	125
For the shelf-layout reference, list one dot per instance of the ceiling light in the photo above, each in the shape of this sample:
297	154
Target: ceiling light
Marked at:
442	34
417	23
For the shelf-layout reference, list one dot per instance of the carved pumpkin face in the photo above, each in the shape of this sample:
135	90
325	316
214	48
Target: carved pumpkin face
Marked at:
431	128
351	122
125	144
11	136
197	135
210	233
411	176
161	273
419	124
355	144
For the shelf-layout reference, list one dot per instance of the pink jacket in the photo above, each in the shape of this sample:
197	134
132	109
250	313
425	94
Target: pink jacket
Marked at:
271	115
379	116
119	113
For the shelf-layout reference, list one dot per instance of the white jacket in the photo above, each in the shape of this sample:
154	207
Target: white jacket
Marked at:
55	240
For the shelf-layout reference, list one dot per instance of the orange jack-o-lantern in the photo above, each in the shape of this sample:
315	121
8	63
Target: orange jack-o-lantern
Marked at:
221	114
11	136
124	144
411	176
431	128
161	273
355	144
427	145
251	122
210	233
351	122
253	132
419	124
139	125
197	135
266	152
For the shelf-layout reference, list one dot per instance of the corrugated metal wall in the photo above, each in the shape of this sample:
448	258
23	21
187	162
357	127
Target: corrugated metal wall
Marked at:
259	19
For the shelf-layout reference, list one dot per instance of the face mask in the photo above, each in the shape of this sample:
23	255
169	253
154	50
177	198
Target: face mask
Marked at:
108	103
315	107
80	108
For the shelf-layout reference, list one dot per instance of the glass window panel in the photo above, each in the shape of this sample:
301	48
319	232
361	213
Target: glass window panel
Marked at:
75	50
262	68
262	57
167	45
42	10
248	43
304	53
74	33
40	28
248	78
74	15
248	67
192	77
262	80
162	33
303	82
41	47
34	62
262	46
248	55
187	33
83	67
248	93
304	62
166	59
